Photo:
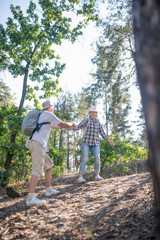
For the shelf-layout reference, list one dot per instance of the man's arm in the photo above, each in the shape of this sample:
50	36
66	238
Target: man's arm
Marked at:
67	125
55	126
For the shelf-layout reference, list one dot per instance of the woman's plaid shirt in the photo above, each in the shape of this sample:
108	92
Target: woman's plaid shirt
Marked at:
91	135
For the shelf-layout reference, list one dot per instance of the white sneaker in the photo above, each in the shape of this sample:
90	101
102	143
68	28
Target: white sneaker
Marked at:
51	192
98	178
34	201
81	180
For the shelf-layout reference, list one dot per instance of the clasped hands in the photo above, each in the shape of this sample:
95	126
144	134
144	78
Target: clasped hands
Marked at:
73	126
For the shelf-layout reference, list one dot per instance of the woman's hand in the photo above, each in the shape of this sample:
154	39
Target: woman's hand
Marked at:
111	142
73	126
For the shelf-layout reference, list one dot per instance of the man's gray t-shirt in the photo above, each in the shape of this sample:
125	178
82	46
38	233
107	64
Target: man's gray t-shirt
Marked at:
43	134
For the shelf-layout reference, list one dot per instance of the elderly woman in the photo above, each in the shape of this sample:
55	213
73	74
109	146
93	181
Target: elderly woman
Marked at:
91	142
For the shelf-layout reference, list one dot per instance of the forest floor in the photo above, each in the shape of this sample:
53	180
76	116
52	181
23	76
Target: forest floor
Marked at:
114	208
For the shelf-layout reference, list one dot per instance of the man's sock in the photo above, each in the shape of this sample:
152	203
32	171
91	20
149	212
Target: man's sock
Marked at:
30	196
49	189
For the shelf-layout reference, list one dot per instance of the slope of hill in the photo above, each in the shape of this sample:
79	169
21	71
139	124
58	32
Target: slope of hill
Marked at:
115	208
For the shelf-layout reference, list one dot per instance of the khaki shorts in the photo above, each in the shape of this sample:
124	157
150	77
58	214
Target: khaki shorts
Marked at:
40	160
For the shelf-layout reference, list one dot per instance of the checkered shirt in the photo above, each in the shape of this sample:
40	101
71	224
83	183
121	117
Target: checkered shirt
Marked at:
93	129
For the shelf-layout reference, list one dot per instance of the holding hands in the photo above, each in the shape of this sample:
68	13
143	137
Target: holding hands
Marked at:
73	126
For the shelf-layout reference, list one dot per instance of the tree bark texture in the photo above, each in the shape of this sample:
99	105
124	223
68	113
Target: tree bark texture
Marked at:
13	135
146	17
10	154
68	151
106	111
61	139
23	91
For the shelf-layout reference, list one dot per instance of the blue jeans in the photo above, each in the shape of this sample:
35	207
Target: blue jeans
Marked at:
85	154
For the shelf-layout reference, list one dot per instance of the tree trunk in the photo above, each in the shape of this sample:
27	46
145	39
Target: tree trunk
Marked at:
106	111
68	150
61	139
13	134
74	150
55	139
147	43
54	144
10	154
23	91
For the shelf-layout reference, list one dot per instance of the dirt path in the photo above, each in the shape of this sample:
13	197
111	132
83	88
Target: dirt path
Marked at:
115	208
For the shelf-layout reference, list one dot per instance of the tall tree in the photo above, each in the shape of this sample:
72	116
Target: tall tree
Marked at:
106	62
110	84
147	43
119	107
115	64
118	29
28	42
142	141
5	94
65	108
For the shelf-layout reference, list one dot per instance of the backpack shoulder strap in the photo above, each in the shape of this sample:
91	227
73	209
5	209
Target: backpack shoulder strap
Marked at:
38	126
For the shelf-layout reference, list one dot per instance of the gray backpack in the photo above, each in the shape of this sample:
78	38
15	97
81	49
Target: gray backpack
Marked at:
30	123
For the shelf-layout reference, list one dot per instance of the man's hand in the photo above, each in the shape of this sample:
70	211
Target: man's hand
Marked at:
74	126
111	142
69	128
67	125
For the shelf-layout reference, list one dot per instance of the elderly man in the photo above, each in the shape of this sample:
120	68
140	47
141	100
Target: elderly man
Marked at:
38	146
